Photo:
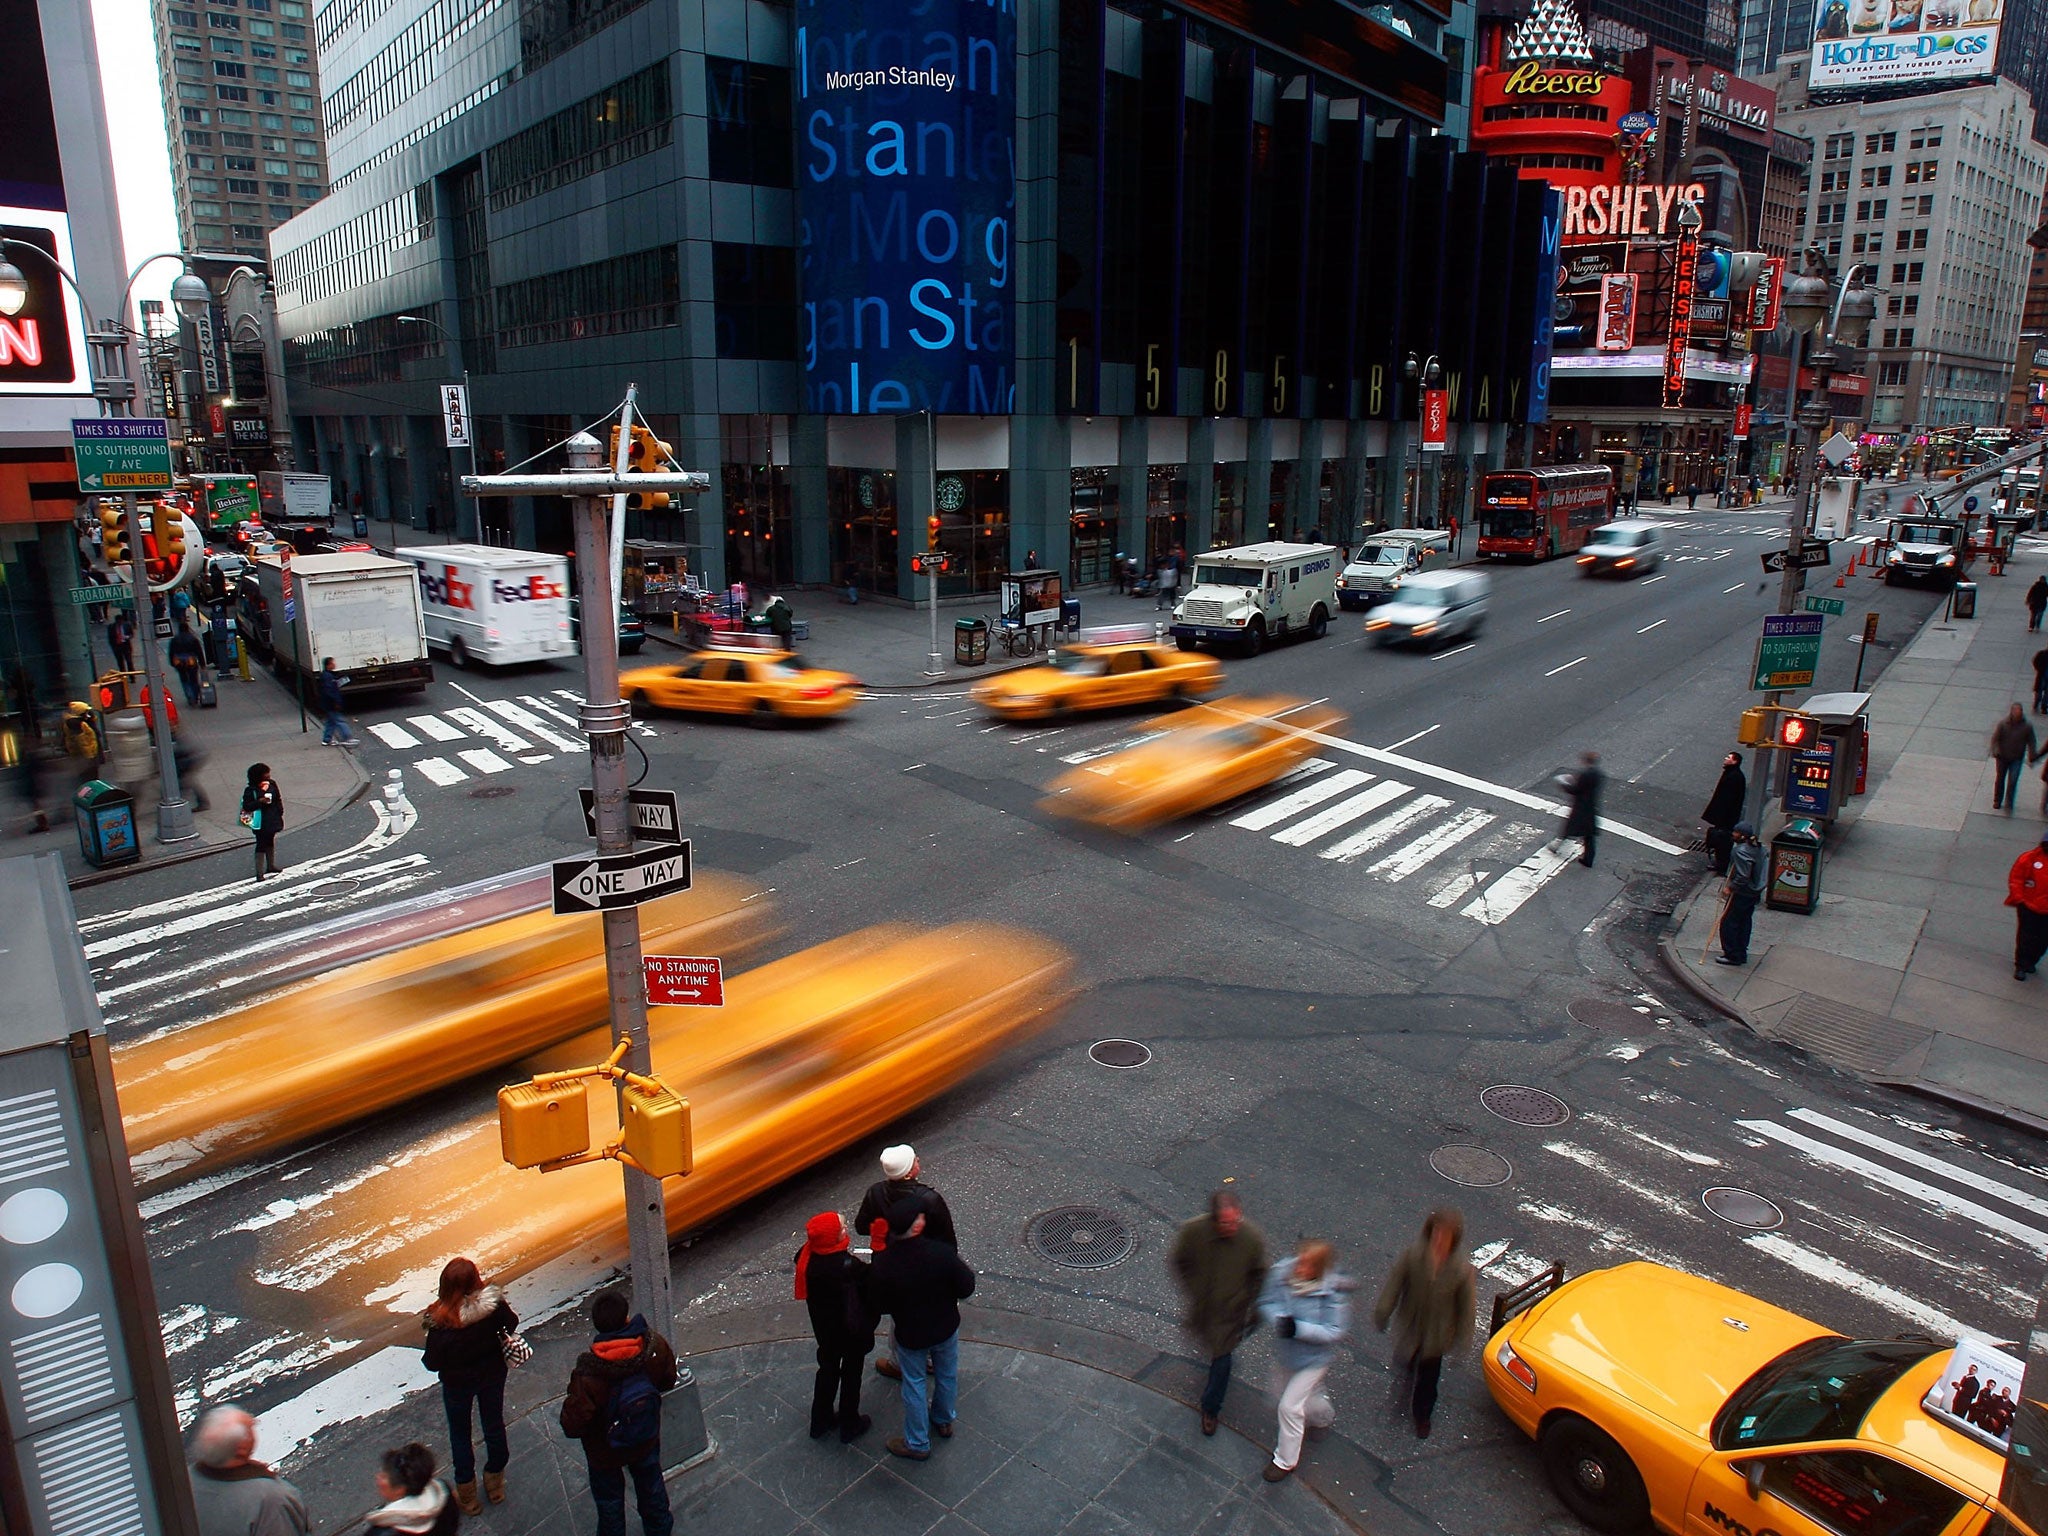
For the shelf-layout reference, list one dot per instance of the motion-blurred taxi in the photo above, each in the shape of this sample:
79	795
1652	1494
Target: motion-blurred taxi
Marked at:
1658	1398
1079	677
1210	754
764	684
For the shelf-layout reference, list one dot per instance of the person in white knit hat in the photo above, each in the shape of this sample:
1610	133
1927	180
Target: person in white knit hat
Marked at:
899	1181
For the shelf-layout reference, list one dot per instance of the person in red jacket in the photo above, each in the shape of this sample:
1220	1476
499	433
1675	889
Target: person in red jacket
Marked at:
2026	892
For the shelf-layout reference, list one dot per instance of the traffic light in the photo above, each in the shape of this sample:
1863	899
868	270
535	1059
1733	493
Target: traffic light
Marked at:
170	538
931	529
648	455
1797	732
655	1127
113	534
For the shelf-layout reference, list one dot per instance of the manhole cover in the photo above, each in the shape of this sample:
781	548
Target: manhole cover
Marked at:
1525	1106
1081	1237
343	887
1471	1165
493	792
1119	1053
1743	1208
1603	1014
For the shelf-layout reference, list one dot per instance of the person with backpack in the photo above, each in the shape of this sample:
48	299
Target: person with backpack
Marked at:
901	1168
833	1286
416	1502
920	1282
466	1330
613	1405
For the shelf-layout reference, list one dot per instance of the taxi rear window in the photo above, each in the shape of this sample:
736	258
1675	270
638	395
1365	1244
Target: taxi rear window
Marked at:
1819	1390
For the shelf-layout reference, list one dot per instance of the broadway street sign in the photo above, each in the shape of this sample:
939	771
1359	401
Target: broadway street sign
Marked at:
609	881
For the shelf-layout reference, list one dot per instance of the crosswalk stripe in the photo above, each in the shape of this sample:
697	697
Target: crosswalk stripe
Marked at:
532	724
1342	814
440	771
393	734
484	760
433	727
1276	811
1501	848
1918	1159
1892	1179
556	710
1386	828
1403	862
1501	900
1089	754
495	730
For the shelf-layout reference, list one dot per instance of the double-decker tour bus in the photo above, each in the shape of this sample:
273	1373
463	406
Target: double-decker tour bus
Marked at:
1549	510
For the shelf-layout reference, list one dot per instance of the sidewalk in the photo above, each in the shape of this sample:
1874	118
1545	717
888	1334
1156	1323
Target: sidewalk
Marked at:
1904	974
1061	1430
256	721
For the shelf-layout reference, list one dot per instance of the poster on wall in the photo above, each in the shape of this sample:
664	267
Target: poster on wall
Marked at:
906	196
1617	332
1902	42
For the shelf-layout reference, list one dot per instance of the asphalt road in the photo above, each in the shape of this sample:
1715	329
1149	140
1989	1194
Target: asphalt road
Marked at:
1320	1024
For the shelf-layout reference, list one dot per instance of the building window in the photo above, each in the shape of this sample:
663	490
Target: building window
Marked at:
184	18
1925	138
232	92
1912	304
615	125
185	44
1840	146
1880	208
1906	336
222	23
1880	143
1877	175
621	296
1891	375
753	288
1891	336
748	120
240	188
309	191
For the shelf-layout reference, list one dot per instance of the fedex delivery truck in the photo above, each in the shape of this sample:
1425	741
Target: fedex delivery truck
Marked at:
498	606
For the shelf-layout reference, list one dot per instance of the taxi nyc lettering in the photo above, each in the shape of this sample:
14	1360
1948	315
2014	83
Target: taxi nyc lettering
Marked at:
1625	210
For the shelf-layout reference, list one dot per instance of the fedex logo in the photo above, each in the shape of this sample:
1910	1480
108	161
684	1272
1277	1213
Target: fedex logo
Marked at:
536	588
446	589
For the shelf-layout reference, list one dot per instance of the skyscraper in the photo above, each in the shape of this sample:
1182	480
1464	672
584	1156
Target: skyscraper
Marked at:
242	104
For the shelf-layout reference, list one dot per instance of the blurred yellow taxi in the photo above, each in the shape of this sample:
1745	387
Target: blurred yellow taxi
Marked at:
1202	757
1080	677
764	684
1661	1399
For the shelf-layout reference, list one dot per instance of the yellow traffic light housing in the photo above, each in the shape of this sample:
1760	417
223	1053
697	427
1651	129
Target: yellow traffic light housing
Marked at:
170	539
113	534
656	1128
648	455
545	1123
538	1125
931	529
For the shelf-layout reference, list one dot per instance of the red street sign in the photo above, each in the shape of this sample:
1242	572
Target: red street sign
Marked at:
1436	419
684	981
1742	422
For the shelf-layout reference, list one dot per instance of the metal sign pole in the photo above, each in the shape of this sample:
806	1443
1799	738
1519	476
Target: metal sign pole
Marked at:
173	814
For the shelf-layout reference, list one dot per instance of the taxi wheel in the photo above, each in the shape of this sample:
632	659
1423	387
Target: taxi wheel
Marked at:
1594	1477
764	715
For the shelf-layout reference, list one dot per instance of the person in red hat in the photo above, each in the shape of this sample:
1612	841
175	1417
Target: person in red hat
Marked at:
2026	891
833	1285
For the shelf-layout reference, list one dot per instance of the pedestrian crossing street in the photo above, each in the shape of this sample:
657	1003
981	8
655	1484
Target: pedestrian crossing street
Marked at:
487	737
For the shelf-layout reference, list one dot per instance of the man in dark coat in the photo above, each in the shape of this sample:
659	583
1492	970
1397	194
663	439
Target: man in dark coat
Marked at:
2041	682
1724	809
833	1286
623	1349
2037	601
920	1282
1219	1262
1748	877
1583	819
900	1168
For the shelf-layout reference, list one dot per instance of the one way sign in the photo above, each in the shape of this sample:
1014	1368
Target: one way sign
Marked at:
1813	554
657	816
613	880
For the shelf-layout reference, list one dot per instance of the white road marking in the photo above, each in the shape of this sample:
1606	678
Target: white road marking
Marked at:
1918	1159
531	723
540	757
1648	627
393	734
1566	667
1821	1267
433	727
1502	899
1557	615
1736	588
1454	651
1405	740
440	771
1089	754
1274	812
1648	579
484	760
1387	828
1403	862
492	730
1899	1183
1343	813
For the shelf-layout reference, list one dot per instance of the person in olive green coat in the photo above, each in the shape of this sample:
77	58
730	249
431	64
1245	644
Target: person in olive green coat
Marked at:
1429	1293
1219	1261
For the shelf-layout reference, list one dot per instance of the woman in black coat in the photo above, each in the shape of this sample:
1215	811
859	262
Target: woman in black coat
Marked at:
1724	809
833	1285
466	1326
263	814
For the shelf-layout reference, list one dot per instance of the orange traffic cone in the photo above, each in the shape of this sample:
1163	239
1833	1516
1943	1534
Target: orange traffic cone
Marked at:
1842	580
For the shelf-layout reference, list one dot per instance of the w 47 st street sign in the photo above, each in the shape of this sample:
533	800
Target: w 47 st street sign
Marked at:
607	881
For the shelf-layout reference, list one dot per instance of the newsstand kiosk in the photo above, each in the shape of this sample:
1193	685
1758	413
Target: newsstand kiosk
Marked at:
1819	780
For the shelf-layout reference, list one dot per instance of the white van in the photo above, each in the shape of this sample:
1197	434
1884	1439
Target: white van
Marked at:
499	606
1380	563
1626	548
1432	606
1247	596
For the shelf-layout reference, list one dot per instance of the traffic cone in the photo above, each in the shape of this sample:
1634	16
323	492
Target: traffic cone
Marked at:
1842	580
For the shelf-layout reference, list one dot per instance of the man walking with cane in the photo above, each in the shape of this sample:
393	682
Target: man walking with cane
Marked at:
1745	888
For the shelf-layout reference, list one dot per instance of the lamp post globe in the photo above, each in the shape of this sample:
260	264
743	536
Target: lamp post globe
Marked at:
190	296
13	289
1859	308
1804	302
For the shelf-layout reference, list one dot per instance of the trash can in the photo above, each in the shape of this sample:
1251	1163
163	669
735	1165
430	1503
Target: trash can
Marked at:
1964	603
362	525
106	825
1070	613
1795	867
970	641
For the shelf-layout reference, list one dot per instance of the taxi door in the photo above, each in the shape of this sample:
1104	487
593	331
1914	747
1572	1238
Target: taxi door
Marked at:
1129	680
1824	1489
698	683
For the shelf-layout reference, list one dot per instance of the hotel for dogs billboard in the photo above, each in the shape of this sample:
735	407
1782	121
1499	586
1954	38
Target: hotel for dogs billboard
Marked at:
1862	43
906	141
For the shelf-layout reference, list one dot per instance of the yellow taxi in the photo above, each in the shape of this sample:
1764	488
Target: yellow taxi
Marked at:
1202	757
1660	1399
1079	677
762	684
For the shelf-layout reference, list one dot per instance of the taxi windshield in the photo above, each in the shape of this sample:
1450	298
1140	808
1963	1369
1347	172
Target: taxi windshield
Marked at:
1077	663
1819	1390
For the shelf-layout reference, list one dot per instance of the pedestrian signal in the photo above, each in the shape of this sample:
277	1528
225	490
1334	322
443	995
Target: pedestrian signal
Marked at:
1797	732
648	455
113	534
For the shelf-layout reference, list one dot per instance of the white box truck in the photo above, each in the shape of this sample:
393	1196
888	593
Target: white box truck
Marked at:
498	606
291	498
1260	592
361	609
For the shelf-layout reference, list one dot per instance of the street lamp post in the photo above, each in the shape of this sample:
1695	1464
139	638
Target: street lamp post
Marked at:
111	363
1431	374
468	406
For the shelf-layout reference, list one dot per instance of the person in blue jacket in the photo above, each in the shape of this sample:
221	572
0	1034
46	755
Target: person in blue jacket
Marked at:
1306	1301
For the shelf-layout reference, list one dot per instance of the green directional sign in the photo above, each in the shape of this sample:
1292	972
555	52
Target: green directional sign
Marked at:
1831	606
1788	651
87	597
122	453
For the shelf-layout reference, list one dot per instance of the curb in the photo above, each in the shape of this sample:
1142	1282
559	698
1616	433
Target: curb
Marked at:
1683	973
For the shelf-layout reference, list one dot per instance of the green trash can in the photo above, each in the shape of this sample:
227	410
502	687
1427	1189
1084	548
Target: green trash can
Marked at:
1795	867
970	642
106	824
